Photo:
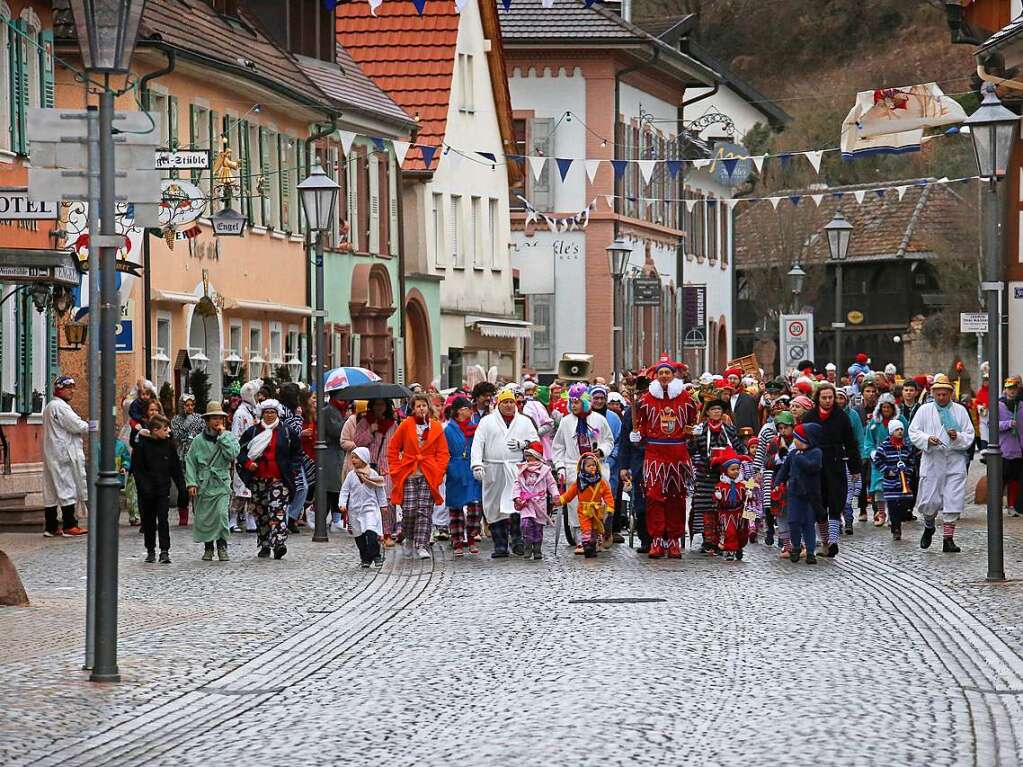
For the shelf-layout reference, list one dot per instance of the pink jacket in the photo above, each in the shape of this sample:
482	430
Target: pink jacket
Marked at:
531	489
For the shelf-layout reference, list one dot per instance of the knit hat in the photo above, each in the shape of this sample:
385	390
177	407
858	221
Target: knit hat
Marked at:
784	417
504	395
535	449
63	382
804	402
895	425
598	389
890	369
458	403
808	433
268	404
830	367
920	381
862	358
733	372
804	386
725	458
362	453
665	362
615	397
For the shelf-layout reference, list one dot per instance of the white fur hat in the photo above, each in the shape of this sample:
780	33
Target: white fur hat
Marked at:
268	404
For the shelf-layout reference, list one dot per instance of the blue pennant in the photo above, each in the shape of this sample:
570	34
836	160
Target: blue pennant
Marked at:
378	143
880	192
838	195
619	167
785	160
330	5
488	155
420	6
674	166
730	164
794	199
506	4
564	163
711	202
428	153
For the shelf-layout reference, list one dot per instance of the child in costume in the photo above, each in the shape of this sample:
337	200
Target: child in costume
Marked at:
534	484
754	499
362	501
777	453
894	459
731	498
595	501
801	475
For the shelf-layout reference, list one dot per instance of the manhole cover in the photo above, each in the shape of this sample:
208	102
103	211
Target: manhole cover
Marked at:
616	601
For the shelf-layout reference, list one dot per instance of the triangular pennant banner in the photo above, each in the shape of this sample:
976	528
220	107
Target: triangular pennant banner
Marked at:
730	163
674	166
859	194
610	200
347	137
646	168
488	156
817	199
902	191
420	6
758	162
460	4
703	163
564	163
731	203
536	164
378	143
690	204
373	5
428	153
794	199
815	160
785	160
505	3
400	151
592	166
880	192
775	201
619	166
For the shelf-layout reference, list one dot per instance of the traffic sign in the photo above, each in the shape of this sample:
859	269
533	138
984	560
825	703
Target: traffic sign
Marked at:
972	322
796	335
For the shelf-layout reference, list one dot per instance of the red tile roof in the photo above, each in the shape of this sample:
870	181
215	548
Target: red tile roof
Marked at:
409	56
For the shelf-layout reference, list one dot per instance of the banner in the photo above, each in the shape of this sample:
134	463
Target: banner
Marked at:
694	316
892	120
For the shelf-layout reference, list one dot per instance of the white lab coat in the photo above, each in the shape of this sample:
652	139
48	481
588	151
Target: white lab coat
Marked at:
566	452
363	503
490	450
942	466
64	480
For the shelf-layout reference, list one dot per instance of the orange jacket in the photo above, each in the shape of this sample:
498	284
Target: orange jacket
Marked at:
590	498
404	456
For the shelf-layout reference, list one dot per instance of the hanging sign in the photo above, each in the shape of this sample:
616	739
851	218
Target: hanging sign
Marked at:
694	316
796	335
228	223
16	206
646	291
732	164
183	202
972	322
186	159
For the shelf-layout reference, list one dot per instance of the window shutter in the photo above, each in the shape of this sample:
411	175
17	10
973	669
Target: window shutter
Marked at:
394	192
375	245
264	170
300	163
246	168
725	215
352	166
172	127
12	82
23	325
543	190
193	133
46	68
362	166
19	79
283	179
52	358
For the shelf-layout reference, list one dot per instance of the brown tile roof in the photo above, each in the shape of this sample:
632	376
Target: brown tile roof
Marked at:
411	57
883	227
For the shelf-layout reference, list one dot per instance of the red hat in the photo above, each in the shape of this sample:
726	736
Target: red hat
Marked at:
733	372
920	381
535	449
752	442
804	387
861	358
663	362
723	456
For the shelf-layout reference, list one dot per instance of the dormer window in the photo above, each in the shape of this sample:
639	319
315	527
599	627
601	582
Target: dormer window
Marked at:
304	27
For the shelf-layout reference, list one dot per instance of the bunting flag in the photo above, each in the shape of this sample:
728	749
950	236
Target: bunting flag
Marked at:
536	164
378	143
775	201
347	138
859	194
730	163
758	162
701	163
373	5
488	156
785	160
563	224
690	205
879	193
592	166
815	160
459	5
547	3
400	151
794	199
674	166
421	6
902	191
564	163
646	168
428	153
505	3
817	198
619	167
610	200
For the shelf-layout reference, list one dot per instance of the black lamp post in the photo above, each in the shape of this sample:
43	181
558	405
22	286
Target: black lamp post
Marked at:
106	31
839	233
618	253
993	129
319	202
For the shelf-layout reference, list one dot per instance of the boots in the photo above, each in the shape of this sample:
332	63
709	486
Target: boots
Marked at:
165	557
222	552
589	549
537	552
183	517
925	539
948	545
207	555
896	531
656	548
499	532
150	556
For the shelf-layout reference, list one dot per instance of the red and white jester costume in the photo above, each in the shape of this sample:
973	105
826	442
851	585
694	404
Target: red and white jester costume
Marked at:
664	418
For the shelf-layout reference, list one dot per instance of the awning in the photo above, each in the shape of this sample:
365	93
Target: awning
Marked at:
173	297
499	327
266	306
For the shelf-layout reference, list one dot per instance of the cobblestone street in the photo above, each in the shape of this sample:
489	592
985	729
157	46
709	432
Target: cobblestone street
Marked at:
888	655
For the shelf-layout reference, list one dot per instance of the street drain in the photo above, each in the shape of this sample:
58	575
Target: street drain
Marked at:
254	691
616	601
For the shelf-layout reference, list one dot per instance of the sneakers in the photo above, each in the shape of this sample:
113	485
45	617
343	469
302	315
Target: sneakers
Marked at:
785	551
590	550
810	558
364	565
769	538
150	557
165	558
832	550
1012	512
618	538
674	549
473	548
795	555
879	519
280	551
423	553
76	530
378	561
264	553
519	549
52	534
848	528
578	548
459	552
537	553
441	534
222	554
738	554
925	539
862	515
406	548
948	546
656	549
729	556
499	554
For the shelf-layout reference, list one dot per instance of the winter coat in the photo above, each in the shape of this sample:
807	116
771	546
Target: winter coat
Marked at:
838	442
1010	437
893	465
801	476
405	456
875	434
154	465
333	456
531	489
460	486
288	455
702	446
63	454
208	469
363	501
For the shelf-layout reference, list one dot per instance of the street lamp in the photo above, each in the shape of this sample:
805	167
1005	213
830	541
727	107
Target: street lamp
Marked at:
796	276
295	368
839	233
106	32
618	254
993	129
319	202
75	333
232	364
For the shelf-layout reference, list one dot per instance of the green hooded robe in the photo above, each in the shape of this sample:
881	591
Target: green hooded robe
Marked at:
208	467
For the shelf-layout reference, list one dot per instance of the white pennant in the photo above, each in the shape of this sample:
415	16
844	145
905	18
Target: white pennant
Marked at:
546	3
817	198
347	137
610	200
646	167
943	180
859	194
690	204
592	166
901	190
775	201
400	149
758	162
701	163
374	4
537	163
815	160
459	4
731	203
551	223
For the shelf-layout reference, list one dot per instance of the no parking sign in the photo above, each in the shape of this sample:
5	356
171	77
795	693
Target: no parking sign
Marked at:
796	334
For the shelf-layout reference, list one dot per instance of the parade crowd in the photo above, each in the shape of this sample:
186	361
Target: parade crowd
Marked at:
712	464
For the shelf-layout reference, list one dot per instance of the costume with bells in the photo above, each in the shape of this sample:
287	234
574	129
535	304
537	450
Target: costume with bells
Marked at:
663	419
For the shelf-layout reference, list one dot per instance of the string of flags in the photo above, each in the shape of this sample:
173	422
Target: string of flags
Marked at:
420	5
559	224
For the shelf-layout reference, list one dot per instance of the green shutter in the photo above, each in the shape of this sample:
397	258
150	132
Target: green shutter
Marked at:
284	181
19	88
23	324
46	67
214	150
12	82
300	160
192	116
172	127
264	170
246	169
52	348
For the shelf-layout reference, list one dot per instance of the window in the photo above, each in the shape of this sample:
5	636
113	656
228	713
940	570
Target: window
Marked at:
302	26
541	142
163	353
466	79
8	344
457	252
235	338
439	252
712	230
476	233
494	257
256	359
519	188
32	71
276	346
542	308
291	344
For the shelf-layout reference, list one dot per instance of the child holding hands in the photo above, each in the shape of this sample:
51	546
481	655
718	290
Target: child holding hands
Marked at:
595	501
534	484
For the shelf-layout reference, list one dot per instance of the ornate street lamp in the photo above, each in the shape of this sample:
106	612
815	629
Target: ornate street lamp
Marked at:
839	232
319	202
232	364
796	276
75	334
993	129
618	254
106	31
295	368
198	359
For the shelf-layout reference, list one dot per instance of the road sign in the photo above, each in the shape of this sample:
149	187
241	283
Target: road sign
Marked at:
182	160
972	322
646	291
15	205
67	125
125	337
66	184
796	334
